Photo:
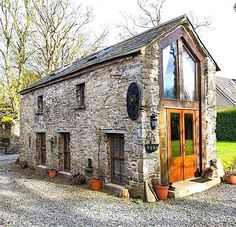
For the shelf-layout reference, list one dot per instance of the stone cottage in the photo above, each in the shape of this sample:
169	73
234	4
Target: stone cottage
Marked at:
147	104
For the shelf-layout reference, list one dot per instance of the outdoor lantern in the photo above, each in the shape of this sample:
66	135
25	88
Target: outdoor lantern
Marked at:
153	121
235	7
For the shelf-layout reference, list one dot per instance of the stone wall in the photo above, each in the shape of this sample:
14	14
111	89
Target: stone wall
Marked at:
105	108
210	70
150	74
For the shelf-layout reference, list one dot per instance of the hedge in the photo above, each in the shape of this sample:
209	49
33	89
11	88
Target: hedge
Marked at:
226	124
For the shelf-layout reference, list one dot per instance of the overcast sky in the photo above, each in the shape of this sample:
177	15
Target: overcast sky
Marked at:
221	41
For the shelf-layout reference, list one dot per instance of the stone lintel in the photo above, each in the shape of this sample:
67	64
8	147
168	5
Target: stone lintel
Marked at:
114	131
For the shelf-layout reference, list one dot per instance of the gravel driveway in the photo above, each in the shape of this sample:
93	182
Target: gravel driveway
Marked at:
27	199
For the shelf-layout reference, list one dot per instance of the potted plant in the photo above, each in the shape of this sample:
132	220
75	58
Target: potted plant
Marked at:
161	190
52	171
230	173
96	182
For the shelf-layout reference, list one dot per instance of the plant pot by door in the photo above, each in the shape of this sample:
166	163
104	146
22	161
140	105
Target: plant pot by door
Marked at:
52	173
162	192
96	184
230	179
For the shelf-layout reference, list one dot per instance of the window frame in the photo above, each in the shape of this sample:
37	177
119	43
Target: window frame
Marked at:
40	107
183	41
80	102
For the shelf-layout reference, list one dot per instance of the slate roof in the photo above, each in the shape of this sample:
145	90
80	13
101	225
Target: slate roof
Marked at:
227	87
125	48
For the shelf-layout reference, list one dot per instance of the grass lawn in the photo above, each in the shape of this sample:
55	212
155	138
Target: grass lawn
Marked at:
226	151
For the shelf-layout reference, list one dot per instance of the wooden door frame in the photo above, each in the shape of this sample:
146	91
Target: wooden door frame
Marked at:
169	151
110	136
195	123
165	103
39	150
62	150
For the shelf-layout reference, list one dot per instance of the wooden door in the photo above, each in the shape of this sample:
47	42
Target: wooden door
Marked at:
41	148
65	143
181	144
117	159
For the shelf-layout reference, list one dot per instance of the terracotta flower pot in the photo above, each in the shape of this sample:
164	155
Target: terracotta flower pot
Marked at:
52	173
230	179
162	192
96	184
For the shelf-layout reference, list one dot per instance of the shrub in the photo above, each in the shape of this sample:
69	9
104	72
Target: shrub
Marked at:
226	124
4	140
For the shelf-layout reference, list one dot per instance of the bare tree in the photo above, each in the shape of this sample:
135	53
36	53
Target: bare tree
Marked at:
12	49
198	24
37	36
61	34
150	16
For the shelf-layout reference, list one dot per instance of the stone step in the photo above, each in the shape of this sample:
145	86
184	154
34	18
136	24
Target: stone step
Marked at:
114	188
188	187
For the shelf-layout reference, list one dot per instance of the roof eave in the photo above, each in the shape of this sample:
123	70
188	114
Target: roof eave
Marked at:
65	76
200	41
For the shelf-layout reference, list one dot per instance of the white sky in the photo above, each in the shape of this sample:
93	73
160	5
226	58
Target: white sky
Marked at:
221	41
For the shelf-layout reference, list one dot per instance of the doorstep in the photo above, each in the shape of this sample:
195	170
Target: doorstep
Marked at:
114	188
64	174
188	187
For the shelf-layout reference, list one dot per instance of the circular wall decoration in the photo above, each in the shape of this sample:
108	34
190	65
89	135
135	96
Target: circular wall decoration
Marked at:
133	101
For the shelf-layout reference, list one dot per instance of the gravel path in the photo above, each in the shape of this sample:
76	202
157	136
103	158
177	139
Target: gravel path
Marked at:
27	199
8	158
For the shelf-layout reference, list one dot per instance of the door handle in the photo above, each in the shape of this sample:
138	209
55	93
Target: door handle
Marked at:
184	147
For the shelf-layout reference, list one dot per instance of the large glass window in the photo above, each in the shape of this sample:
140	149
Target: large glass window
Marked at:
170	71
179	72
188	76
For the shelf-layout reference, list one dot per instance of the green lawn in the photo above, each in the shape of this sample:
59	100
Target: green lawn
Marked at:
227	152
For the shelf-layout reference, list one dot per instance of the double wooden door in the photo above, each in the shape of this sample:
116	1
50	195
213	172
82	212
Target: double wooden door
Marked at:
182	125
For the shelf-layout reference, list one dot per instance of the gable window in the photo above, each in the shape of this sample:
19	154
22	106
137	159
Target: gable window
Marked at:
179	72
80	98
170	71
40	104
189	68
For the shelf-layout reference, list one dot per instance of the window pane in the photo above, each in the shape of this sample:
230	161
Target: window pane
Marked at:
40	104
188	123
170	71
188	76
80	94
117	146
175	135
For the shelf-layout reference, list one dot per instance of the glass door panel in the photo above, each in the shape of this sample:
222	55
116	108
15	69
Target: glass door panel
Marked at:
175	135
188	124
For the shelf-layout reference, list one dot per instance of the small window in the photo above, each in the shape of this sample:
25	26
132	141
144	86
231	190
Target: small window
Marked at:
29	141
80	94
40	104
